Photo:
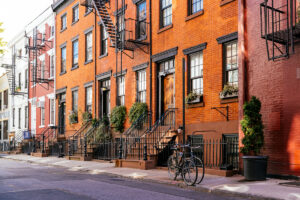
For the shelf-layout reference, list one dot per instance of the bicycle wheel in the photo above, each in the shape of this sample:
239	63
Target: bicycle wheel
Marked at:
172	167
189	172
200	168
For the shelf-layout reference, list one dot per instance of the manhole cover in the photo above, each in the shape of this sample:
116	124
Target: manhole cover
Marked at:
292	184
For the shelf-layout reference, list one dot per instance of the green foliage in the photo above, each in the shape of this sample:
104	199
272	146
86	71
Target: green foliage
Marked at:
229	90
18	88
95	122
86	117
192	96
103	132
137	110
73	117
117	118
2	42
252	127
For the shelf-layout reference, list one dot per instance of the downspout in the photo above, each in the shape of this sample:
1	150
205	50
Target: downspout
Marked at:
116	50
95	66
150	62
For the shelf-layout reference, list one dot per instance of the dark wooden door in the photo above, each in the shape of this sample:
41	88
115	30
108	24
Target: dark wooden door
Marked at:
169	92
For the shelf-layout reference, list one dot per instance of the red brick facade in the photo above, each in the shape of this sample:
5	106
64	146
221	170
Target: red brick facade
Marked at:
276	84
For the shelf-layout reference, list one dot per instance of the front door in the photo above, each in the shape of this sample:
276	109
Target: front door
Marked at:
61	118
106	103
168	92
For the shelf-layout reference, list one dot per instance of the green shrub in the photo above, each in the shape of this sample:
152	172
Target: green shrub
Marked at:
192	96
103	132
73	117
117	118
137	110
252	127
86	117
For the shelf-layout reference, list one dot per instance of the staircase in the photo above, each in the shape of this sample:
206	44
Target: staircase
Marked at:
155	141
44	142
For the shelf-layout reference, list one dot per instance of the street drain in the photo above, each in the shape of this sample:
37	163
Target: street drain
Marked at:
292	184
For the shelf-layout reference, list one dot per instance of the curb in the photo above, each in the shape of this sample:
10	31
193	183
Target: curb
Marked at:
174	184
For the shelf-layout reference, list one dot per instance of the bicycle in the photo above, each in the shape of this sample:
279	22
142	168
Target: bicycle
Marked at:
179	164
199	164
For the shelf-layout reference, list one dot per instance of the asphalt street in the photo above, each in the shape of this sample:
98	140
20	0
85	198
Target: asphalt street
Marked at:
28	181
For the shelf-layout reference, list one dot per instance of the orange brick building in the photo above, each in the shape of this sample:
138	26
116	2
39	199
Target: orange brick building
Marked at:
160	39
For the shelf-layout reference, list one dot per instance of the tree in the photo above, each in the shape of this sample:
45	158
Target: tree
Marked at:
2	43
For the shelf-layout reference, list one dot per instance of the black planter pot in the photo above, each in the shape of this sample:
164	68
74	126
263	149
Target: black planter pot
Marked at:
255	167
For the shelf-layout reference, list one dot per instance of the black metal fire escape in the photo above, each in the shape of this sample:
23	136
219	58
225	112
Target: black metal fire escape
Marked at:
35	47
279	27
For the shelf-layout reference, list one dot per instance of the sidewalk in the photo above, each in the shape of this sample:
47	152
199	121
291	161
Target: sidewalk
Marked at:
235	185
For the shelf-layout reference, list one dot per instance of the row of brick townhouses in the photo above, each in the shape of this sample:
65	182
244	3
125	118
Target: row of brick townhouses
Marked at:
90	56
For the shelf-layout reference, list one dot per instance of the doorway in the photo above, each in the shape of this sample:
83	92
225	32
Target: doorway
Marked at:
105	99
62	114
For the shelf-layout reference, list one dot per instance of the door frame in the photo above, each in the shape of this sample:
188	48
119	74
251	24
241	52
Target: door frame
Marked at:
101	102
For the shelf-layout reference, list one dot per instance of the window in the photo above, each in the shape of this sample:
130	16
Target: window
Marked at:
166	66
5	99
75	14
19	118
195	6
75	101
52	31
20	53
141	86
166	12
52	66
88	99
63	59
26	78
13	117
43	38
88	9
5	130
121	90
121	22
42	69
52	111
26	117
75	53
19	84
104	38
196	73
141	24
42	116
0	101
231	65
63	22
88	47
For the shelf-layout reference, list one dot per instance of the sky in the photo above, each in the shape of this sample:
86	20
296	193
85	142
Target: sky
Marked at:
16	14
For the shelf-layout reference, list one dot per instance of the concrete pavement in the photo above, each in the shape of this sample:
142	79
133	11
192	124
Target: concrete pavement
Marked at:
269	189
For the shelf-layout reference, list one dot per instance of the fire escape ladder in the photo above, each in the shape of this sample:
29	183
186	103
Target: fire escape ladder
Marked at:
106	20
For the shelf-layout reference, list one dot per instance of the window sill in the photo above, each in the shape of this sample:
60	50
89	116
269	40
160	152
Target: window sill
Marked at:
230	100
74	67
87	13
224	2
42	126
165	28
197	14
51	78
87	62
75	22
51	125
102	56
62	73
74	123
62	30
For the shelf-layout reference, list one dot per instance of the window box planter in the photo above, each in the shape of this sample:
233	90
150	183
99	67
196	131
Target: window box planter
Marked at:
73	118
229	96
199	99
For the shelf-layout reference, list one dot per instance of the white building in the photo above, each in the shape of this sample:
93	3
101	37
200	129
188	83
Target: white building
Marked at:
18	84
4	110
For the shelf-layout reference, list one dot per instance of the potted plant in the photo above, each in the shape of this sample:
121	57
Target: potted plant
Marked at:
229	91
193	97
18	89
73	117
138	109
255	167
117	118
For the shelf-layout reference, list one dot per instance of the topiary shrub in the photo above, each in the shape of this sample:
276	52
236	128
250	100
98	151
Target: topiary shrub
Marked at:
117	118
252	127
137	110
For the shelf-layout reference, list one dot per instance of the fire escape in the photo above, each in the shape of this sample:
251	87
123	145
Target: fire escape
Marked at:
126	34
280	27
35	47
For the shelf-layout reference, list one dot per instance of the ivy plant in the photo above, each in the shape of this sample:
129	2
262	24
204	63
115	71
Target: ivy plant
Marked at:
137	110
117	118
252	127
